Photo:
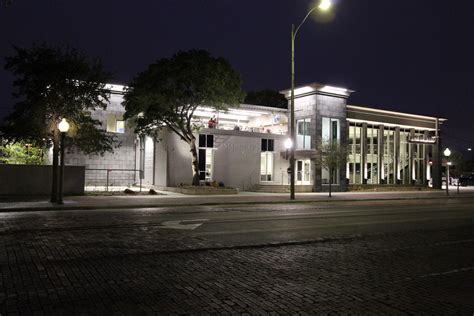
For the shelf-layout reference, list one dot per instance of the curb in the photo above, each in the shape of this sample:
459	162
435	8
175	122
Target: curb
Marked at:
142	206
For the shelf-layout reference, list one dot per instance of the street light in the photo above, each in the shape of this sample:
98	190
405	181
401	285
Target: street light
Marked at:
324	5
63	127
447	153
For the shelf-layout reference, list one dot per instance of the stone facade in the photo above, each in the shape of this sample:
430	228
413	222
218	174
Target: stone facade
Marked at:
117	166
237	156
316	106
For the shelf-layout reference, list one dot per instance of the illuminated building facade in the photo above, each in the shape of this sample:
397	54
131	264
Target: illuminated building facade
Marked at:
244	147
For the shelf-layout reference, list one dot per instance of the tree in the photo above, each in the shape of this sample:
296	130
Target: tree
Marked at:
331	155
22	153
267	98
460	166
170	90
52	83
7	3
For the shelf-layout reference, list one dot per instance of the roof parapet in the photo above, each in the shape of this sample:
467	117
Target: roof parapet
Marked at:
317	88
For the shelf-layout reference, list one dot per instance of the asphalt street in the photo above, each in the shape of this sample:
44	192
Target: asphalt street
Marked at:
363	257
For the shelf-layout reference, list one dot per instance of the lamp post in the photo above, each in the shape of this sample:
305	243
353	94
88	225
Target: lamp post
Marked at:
63	127
324	5
447	153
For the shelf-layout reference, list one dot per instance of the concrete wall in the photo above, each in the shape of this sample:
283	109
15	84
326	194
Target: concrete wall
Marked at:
29	180
123	157
149	161
236	159
179	160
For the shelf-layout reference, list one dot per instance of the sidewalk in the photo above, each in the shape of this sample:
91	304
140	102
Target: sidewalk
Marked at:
175	199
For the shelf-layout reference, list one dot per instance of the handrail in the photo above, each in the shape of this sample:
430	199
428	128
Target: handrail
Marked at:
109	170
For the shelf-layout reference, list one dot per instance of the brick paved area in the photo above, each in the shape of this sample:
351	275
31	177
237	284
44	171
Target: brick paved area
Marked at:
124	270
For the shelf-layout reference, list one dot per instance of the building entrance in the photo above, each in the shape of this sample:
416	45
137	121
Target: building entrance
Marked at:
303	172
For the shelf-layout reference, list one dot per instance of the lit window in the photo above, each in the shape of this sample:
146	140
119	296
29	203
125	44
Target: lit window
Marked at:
303	137
330	129
115	123
120	127
266	160
206	157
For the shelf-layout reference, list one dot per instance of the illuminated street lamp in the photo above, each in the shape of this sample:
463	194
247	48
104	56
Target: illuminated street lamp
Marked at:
63	127
447	153
324	5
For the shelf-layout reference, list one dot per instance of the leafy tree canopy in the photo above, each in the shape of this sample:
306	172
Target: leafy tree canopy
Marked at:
52	83
267	98
171	89
22	153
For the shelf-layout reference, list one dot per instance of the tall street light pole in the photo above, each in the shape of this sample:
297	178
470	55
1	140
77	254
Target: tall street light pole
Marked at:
324	5
447	153
63	127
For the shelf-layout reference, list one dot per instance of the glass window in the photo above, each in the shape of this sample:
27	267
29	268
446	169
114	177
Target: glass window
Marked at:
266	166
115	124
268	144
389	155
206	141
303	137
371	166
354	157
206	156
120	127
303	172
325	176
205	160
330	129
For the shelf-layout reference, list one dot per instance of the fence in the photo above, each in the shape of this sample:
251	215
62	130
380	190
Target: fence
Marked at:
112	179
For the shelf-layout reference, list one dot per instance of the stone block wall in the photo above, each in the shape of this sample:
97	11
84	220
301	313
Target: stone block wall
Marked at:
317	106
123	156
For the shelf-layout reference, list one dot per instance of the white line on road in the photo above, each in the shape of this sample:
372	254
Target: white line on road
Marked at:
183	224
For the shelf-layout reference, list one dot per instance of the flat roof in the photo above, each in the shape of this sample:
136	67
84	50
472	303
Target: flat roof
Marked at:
393	113
317	88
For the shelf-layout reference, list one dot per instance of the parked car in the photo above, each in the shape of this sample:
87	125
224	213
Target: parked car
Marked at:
466	179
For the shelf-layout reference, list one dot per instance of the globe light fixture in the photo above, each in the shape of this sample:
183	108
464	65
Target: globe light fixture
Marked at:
447	152
63	126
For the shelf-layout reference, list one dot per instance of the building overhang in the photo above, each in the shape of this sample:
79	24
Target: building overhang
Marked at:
317	88
373	116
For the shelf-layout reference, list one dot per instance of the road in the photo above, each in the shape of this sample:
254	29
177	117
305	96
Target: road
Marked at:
366	257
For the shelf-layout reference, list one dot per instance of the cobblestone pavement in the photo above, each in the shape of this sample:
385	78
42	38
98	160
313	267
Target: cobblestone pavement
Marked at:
138	270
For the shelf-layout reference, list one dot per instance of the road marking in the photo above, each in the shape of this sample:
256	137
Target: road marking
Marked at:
466	269
327	225
183	224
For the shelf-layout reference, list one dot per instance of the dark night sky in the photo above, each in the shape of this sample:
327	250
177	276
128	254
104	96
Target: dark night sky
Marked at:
415	56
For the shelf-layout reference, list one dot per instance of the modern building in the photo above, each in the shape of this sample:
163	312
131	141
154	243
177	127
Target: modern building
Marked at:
244	147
